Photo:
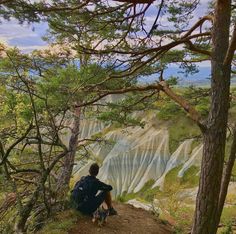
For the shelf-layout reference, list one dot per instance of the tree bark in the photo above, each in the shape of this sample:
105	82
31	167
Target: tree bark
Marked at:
68	160
206	217
27	208
227	175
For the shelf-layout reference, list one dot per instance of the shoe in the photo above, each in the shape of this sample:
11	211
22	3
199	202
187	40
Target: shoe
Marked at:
112	211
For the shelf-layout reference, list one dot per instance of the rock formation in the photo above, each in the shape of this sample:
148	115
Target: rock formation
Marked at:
134	155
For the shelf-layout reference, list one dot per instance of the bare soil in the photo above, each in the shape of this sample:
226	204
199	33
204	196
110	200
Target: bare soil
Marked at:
130	220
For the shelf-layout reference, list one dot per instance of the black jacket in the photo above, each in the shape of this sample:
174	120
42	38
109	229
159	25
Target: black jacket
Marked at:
94	185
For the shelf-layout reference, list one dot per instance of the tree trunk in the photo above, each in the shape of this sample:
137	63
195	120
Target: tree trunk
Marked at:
206	213
27	208
68	160
227	174
25	212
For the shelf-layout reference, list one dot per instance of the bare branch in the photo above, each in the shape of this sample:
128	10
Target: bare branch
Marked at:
198	24
232	47
11	147
104	93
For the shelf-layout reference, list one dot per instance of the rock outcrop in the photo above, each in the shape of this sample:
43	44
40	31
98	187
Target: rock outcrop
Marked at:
180	156
134	155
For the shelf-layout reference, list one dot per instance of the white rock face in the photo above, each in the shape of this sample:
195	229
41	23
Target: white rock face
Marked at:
177	158
135	155
190	194
195	159
135	159
87	128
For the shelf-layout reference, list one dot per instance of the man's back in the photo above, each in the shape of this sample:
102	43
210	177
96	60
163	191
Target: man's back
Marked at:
92	192
93	185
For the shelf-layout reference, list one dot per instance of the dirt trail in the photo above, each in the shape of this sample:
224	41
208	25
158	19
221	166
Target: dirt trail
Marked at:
129	221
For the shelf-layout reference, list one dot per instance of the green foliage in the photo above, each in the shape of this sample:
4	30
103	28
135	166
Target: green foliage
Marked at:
126	197
180	12
183	217
172	181
61	223
8	218
228	229
146	194
199	98
172	80
169	111
182	128
127	111
190	178
228	214
175	211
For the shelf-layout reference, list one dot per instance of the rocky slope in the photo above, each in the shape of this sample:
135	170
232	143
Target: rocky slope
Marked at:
133	156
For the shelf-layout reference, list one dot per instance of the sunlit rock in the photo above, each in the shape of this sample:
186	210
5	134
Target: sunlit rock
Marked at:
140	159
88	128
132	156
137	204
195	160
177	158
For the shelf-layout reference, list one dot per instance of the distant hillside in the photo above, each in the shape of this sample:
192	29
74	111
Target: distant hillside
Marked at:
201	78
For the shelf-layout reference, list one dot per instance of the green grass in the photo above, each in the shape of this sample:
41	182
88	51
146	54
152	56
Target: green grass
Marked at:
172	184
180	129
228	215
184	219
190	178
172	180
146	194
61	223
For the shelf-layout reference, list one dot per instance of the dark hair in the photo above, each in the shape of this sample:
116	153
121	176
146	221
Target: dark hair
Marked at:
94	169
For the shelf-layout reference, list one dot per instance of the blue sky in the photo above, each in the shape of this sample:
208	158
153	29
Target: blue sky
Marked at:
29	37
26	37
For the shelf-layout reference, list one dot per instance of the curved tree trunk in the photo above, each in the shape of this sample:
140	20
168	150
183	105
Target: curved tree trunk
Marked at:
68	160
206	214
20	226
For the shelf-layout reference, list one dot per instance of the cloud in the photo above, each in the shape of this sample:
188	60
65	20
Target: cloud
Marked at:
29	49
27	41
24	36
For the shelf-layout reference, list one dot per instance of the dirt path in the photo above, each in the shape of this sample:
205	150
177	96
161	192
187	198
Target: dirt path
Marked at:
129	221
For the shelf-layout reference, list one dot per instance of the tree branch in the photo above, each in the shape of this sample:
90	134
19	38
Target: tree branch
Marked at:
194	115
4	158
198	24
192	47
105	93
232	47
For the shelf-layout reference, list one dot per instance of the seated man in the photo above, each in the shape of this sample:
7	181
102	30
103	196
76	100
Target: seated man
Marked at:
85	193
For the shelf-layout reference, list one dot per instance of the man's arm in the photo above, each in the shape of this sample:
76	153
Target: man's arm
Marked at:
104	187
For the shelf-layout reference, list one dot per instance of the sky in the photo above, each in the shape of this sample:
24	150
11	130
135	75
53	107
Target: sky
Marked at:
28	37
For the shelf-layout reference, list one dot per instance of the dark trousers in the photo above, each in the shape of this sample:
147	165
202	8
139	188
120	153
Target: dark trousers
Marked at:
91	204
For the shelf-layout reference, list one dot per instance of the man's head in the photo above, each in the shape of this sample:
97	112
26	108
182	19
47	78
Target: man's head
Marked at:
94	169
